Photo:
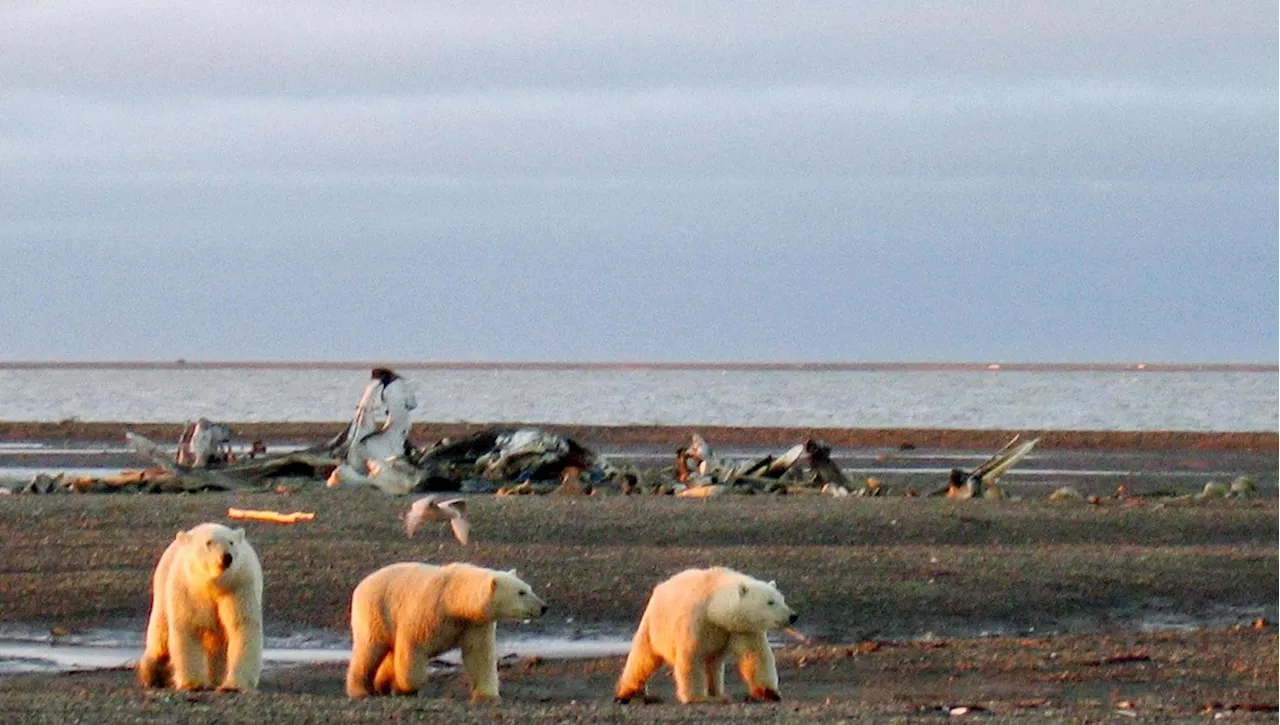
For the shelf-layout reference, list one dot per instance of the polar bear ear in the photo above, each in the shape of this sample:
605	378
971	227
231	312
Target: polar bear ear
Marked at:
512	572
773	583
181	537
238	535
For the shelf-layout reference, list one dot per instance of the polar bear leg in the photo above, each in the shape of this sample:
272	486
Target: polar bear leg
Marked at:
410	662
214	645
187	656
641	662
480	659
385	679
715	677
366	657
756	665
690	672
153	668
242	638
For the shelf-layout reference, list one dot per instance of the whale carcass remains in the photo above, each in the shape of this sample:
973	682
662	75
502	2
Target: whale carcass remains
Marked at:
485	461
204	460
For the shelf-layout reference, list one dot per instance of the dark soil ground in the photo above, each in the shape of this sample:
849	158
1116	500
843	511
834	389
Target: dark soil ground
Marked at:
915	608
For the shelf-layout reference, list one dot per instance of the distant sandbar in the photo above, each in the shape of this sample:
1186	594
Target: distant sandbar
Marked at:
988	366
311	432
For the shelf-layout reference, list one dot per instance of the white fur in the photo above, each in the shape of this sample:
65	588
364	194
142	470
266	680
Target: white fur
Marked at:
205	627
697	619
404	614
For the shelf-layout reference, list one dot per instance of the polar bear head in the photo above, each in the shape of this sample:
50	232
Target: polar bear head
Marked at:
487	595
214	551
514	599
745	604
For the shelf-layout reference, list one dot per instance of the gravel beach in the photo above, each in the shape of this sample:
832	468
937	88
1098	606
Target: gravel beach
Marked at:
913	608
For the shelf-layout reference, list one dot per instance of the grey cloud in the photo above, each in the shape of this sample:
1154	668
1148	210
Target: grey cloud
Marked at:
1069	130
304	48
646	180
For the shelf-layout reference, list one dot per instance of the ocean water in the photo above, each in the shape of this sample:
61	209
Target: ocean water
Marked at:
1214	400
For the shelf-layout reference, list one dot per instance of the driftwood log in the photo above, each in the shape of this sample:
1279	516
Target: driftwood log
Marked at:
248	474
274	517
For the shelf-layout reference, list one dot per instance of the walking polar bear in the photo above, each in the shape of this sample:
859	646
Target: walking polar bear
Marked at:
205	627
696	619
404	614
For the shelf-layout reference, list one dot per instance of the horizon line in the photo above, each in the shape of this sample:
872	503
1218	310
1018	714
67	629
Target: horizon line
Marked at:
986	365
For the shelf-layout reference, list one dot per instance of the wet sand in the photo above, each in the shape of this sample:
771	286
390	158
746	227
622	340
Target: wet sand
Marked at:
1016	610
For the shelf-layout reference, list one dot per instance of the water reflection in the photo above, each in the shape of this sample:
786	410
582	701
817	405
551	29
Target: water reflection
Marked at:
21	653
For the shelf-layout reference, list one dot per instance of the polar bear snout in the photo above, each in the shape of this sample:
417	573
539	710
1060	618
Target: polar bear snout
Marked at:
525	604
226	560
792	619
533	605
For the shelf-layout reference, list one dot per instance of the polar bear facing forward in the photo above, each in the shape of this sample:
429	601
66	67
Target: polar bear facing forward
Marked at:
205	628
404	614
695	620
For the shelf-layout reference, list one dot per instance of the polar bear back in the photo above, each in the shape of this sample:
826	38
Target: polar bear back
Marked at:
697	619
699	604
427	602
405	613
397	595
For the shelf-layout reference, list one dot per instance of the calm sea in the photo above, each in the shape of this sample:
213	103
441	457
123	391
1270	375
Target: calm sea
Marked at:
1216	400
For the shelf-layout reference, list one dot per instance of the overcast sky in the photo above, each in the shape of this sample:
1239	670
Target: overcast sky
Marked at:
1060	180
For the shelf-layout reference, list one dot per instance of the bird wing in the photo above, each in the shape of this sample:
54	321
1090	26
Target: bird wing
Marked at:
461	528
414	517
454	504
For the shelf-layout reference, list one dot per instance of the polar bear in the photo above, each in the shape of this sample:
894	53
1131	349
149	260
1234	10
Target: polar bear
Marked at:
205	627
404	614
696	619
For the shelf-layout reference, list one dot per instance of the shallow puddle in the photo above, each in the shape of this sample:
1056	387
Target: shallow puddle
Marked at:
26	649
31	652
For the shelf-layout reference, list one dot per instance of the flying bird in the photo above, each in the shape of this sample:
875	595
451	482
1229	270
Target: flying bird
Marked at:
434	509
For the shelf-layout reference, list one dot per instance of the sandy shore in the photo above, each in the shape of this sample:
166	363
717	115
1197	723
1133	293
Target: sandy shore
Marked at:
1017	610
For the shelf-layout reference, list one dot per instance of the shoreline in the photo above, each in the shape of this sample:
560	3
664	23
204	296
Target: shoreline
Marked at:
897	366
310	432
